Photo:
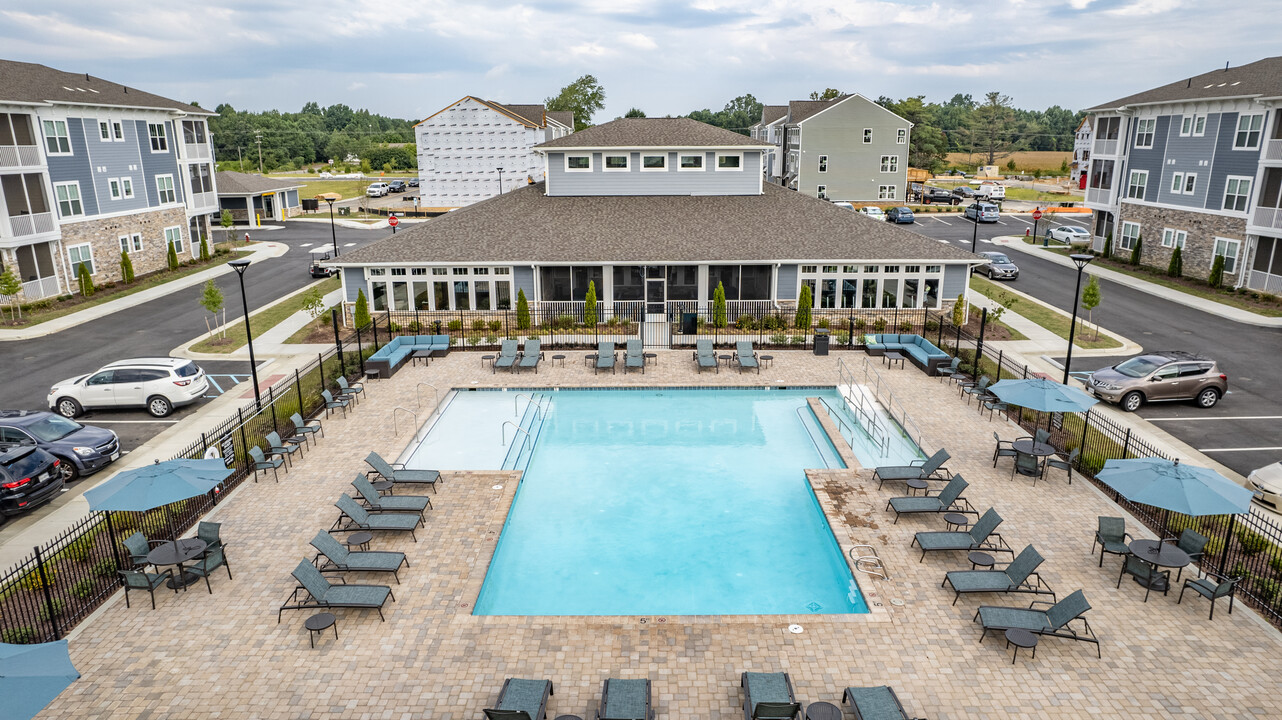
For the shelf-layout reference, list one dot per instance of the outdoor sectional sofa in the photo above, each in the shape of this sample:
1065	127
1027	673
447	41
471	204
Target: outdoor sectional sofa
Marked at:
916	348
395	353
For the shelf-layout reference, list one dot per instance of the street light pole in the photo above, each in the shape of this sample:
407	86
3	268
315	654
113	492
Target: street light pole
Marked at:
239	266
974	233
1081	261
500	181
332	233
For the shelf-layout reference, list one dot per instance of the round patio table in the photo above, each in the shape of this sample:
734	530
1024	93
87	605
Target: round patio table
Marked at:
1160	554
955	521
823	711
1020	638
177	553
359	540
980	559
319	623
915	484
1029	447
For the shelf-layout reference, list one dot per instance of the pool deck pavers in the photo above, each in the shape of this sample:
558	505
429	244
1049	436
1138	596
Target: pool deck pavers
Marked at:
224	656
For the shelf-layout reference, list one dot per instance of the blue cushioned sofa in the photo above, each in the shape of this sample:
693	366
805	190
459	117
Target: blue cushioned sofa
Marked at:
916	348
393	355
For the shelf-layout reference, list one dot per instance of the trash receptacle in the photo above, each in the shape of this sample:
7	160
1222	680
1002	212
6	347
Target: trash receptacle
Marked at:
689	323
821	342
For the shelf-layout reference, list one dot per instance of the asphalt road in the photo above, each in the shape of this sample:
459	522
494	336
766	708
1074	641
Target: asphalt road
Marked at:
1242	431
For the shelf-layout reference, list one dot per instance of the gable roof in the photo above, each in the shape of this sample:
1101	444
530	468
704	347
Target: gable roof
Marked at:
526	226
771	113
533	114
799	110
652	132
565	117
22	82
238	183
1262	78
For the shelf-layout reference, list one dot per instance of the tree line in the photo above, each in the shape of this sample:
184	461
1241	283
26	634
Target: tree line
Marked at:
289	141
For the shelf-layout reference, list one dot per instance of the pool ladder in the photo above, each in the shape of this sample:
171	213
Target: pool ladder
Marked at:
869	564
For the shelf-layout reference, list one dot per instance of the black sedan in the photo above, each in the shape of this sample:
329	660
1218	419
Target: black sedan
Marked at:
938	195
29	477
901	214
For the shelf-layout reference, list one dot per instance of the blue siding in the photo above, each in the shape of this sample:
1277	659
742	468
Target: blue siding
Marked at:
787	283
523	279
353	282
670	182
1148	159
154	164
955	278
1189	154
77	166
1231	162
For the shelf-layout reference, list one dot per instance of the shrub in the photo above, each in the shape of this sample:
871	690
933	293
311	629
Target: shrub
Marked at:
1267	589
393	327
746	322
204	248
931	325
842	337
779	339
719	306
79	549
1239	571
859	325
360	315
1176	267
589	305
905	327
564	322
19	635
105	567
454	325
1275	562
495	325
822	324
31	581
171	257
1214	545
1108	245
473	340
798	340
959	311
126	268
51	609
478	325
804	303
1252	542
492	339
83	589
85	281
1215	279
522	311
879	325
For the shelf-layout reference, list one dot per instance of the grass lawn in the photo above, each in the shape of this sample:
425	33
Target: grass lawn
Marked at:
1025	160
1050	319
69	304
1031	195
263	321
346	188
319	330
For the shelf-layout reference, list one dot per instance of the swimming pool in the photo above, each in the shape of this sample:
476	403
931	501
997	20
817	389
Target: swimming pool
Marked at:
669	502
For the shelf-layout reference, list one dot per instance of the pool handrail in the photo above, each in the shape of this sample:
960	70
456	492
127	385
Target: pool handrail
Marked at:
874	381
871	427
806	426
878	567
418	398
395	429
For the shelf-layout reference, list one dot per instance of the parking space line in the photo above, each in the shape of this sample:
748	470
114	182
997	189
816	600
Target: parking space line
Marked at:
304	244
1250	449
96	421
349	244
942	240
941	221
1199	419
214	382
990	242
999	222
1019	219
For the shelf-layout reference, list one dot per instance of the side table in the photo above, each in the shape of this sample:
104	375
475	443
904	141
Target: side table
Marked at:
823	711
359	540
980	559
956	521
489	358
915	484
1020	638
319	623
558	357
767	360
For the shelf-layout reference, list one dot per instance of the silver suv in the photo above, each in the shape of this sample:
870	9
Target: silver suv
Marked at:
1160	376
157	384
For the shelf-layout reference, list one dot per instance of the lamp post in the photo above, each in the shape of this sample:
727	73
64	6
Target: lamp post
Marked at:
333	234
1081	261
974	233
500	181
240	266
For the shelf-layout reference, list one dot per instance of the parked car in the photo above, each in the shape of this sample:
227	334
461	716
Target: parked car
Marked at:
902	214
80	449
982	212
997	266
873	212
397	186
937	195
29	477
378	189
845	206
157	384
413	182
1160	376
317	270
963	193
1071	234
991	191
1266	483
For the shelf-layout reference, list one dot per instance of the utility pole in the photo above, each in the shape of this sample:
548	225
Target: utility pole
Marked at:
258	138
240	161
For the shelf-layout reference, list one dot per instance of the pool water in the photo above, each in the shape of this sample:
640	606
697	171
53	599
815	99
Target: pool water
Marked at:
670	502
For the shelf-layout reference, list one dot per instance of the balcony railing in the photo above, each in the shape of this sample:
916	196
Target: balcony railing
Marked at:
1273	150
1099	196
1264	282
23	225
194	151
1267	217
1105	147
201	201
19	155
35	289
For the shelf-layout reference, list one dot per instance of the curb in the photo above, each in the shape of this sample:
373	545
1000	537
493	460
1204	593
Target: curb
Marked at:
242	352
1128	346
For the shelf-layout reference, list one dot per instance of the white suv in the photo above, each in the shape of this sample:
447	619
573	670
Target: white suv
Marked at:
378	189
991	191
157	384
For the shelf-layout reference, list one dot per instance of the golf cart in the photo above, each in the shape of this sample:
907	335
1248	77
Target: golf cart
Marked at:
320	255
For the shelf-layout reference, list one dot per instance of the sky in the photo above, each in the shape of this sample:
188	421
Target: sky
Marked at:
410	58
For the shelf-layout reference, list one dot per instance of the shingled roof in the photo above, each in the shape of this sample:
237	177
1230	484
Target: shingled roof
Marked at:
565	117
526	226
771	113
237	183
32	83
532	113
799	110
652	132
1262	78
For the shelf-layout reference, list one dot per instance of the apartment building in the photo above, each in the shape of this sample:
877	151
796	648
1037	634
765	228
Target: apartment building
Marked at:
1081	152
89	169
1195	164
474	149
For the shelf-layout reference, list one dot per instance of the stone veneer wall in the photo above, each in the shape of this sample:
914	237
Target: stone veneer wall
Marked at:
1199	248
103	235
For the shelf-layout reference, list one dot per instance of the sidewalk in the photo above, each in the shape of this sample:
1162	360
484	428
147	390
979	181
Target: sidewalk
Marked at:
1175	296
1043	341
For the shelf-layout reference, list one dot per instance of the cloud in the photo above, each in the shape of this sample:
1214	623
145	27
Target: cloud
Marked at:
638	40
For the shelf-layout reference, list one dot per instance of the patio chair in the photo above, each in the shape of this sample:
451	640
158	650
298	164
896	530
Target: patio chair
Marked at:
1204	586
303	428
354	517
1053	621
1041	436
397	473
1028	466
874	703
209	562
914	470
634	357
746	356
768	696
262	463
1014	578
992	404
949	370
1191	542
605	357
980	536
277	447
1004	448
210	533
1060	462
625	700
521	699
331	404
389	503
704	356
317	592
138	546
139	580
1147	573
1112	538
339	559
949	499
969	388
530	355
349	390
507	356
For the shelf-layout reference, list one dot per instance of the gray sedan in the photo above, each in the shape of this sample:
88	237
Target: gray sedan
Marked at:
998	266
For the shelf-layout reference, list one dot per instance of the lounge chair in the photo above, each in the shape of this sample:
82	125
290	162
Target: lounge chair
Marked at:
1004	448
262	463
339	559
768	696
389	503
914	470
1014	578
331	404
349	390
1191	542
303	428
354	517
209	562
625	700
746	356
980	536
874	703
634	357
275	446
1211	590
1112	538
605	357
139	580
397	473
507	356
521	699
317	592
531	355
1064	463
704	356
1053	621
1146	573
949	499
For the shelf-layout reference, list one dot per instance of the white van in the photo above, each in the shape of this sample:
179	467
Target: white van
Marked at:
991	190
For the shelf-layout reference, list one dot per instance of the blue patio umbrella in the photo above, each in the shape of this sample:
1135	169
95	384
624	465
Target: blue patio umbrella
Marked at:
1042	395
31	676
151	486
1185	489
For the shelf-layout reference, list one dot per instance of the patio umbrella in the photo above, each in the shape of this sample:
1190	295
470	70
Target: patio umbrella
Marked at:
1042	395
144	488
1185	489
31	676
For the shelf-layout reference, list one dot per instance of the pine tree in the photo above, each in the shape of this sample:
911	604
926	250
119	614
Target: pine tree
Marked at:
1108	245
172	257
1216	278
959	311
804	304
1090	300
719	306
522	311
1135	251
1176	267
204	248
126	267
360	315
589	305
86	281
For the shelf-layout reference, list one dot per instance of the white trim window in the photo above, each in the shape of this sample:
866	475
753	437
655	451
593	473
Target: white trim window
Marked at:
1186	125
821	192
131	243
868	136
159	137
901	136
1190	183
127	187
79	255
57	141
1199	126
118	131
889	163
1229	249
1137	185
1177	183
68	197
124	243
690	163
113	184
1249	128
616	163
136	239
104	130
165	189
1130	235
654	163
1173	238
579	162
1144	131
886	192
1183	183
729	162
823	163
174	236
1237	193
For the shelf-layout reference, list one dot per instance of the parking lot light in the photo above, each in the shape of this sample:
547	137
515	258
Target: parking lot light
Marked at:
332	234
240	265
1081	261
